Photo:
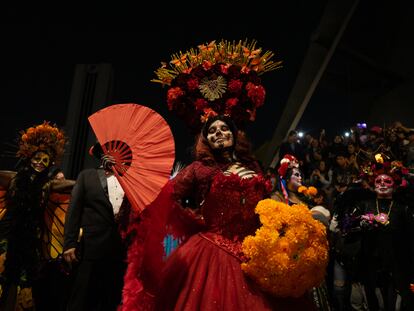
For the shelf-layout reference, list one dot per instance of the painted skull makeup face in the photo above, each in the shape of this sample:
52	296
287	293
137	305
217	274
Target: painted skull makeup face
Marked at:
295	179
219	135
384	186
40	161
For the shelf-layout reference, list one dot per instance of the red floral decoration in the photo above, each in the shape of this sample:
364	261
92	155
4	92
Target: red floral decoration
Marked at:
395	169
43	137
216	78
288	161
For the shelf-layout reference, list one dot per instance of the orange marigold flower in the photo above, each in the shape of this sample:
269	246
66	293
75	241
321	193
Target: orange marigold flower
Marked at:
312	191
302	189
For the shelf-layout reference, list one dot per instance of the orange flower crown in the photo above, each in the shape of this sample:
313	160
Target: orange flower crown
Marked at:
216	78
43	137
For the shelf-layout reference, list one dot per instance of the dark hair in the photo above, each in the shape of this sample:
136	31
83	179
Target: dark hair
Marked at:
96	150
53	171
291	133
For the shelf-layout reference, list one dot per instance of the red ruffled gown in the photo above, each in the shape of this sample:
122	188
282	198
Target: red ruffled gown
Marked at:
204	272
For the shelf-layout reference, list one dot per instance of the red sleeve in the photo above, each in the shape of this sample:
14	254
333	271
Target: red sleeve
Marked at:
145	256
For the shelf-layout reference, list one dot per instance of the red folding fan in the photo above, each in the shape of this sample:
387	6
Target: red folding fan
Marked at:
142	144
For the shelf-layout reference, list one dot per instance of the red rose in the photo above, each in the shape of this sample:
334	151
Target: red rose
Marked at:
192	84
256	93
231	102
172	95
200	104
235	86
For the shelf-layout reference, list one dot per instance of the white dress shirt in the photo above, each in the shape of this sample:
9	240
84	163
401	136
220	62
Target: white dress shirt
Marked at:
115	192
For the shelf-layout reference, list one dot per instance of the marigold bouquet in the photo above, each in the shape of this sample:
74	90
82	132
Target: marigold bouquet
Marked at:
216	78
288	255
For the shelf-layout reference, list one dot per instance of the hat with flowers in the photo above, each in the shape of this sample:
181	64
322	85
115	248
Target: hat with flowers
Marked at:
218	78
288	161
383	163
42	137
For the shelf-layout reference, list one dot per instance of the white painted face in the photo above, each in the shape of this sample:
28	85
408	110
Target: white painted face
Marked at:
219	135
295	179
384	186
40	161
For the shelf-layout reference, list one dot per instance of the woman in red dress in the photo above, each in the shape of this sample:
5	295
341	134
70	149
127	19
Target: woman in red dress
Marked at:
210	204
204	272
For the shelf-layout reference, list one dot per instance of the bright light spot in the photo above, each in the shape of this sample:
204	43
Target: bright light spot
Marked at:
347	134
300	134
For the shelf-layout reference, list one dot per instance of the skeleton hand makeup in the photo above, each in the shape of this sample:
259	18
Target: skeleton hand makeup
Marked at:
219	135
384	186
40	161
295	180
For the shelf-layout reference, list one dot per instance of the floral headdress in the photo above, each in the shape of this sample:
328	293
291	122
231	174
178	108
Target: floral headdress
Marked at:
216	78
43	137
384	164
288	161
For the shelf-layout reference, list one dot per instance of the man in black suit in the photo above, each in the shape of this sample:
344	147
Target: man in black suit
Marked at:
93	245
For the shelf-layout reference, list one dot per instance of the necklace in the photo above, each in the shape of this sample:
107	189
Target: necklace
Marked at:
382	217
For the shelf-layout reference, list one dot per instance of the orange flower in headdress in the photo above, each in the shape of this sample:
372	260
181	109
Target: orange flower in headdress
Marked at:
43	137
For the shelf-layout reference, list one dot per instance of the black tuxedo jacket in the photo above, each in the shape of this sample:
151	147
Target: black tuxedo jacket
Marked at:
91	210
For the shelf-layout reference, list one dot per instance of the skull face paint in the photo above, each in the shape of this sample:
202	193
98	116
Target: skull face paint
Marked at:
295	180
219	135
40	161
384	186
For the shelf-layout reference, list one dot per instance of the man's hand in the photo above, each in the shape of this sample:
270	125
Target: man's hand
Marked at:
70	255
107	161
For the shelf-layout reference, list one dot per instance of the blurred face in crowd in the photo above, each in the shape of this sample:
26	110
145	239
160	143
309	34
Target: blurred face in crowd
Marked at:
322	166
393	137
40	161
351	149
295	180
341	161
315	143
384	186
337	139
219	135
293	138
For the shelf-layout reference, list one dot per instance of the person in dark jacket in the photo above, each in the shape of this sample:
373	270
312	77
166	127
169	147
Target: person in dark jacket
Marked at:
93	244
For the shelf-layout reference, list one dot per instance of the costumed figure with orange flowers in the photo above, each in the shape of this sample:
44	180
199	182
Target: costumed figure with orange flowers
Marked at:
235	254
291	191
29	225
381	220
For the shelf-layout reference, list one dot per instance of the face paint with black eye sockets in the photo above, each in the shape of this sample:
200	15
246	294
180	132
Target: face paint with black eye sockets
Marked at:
40	161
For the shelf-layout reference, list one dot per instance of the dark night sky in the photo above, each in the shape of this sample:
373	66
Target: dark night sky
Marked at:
40	53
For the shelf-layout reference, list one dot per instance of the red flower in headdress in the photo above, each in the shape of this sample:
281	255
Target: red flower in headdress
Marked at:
288	161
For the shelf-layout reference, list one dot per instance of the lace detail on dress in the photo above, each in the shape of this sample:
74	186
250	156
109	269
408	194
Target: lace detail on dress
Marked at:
234	247
229	207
